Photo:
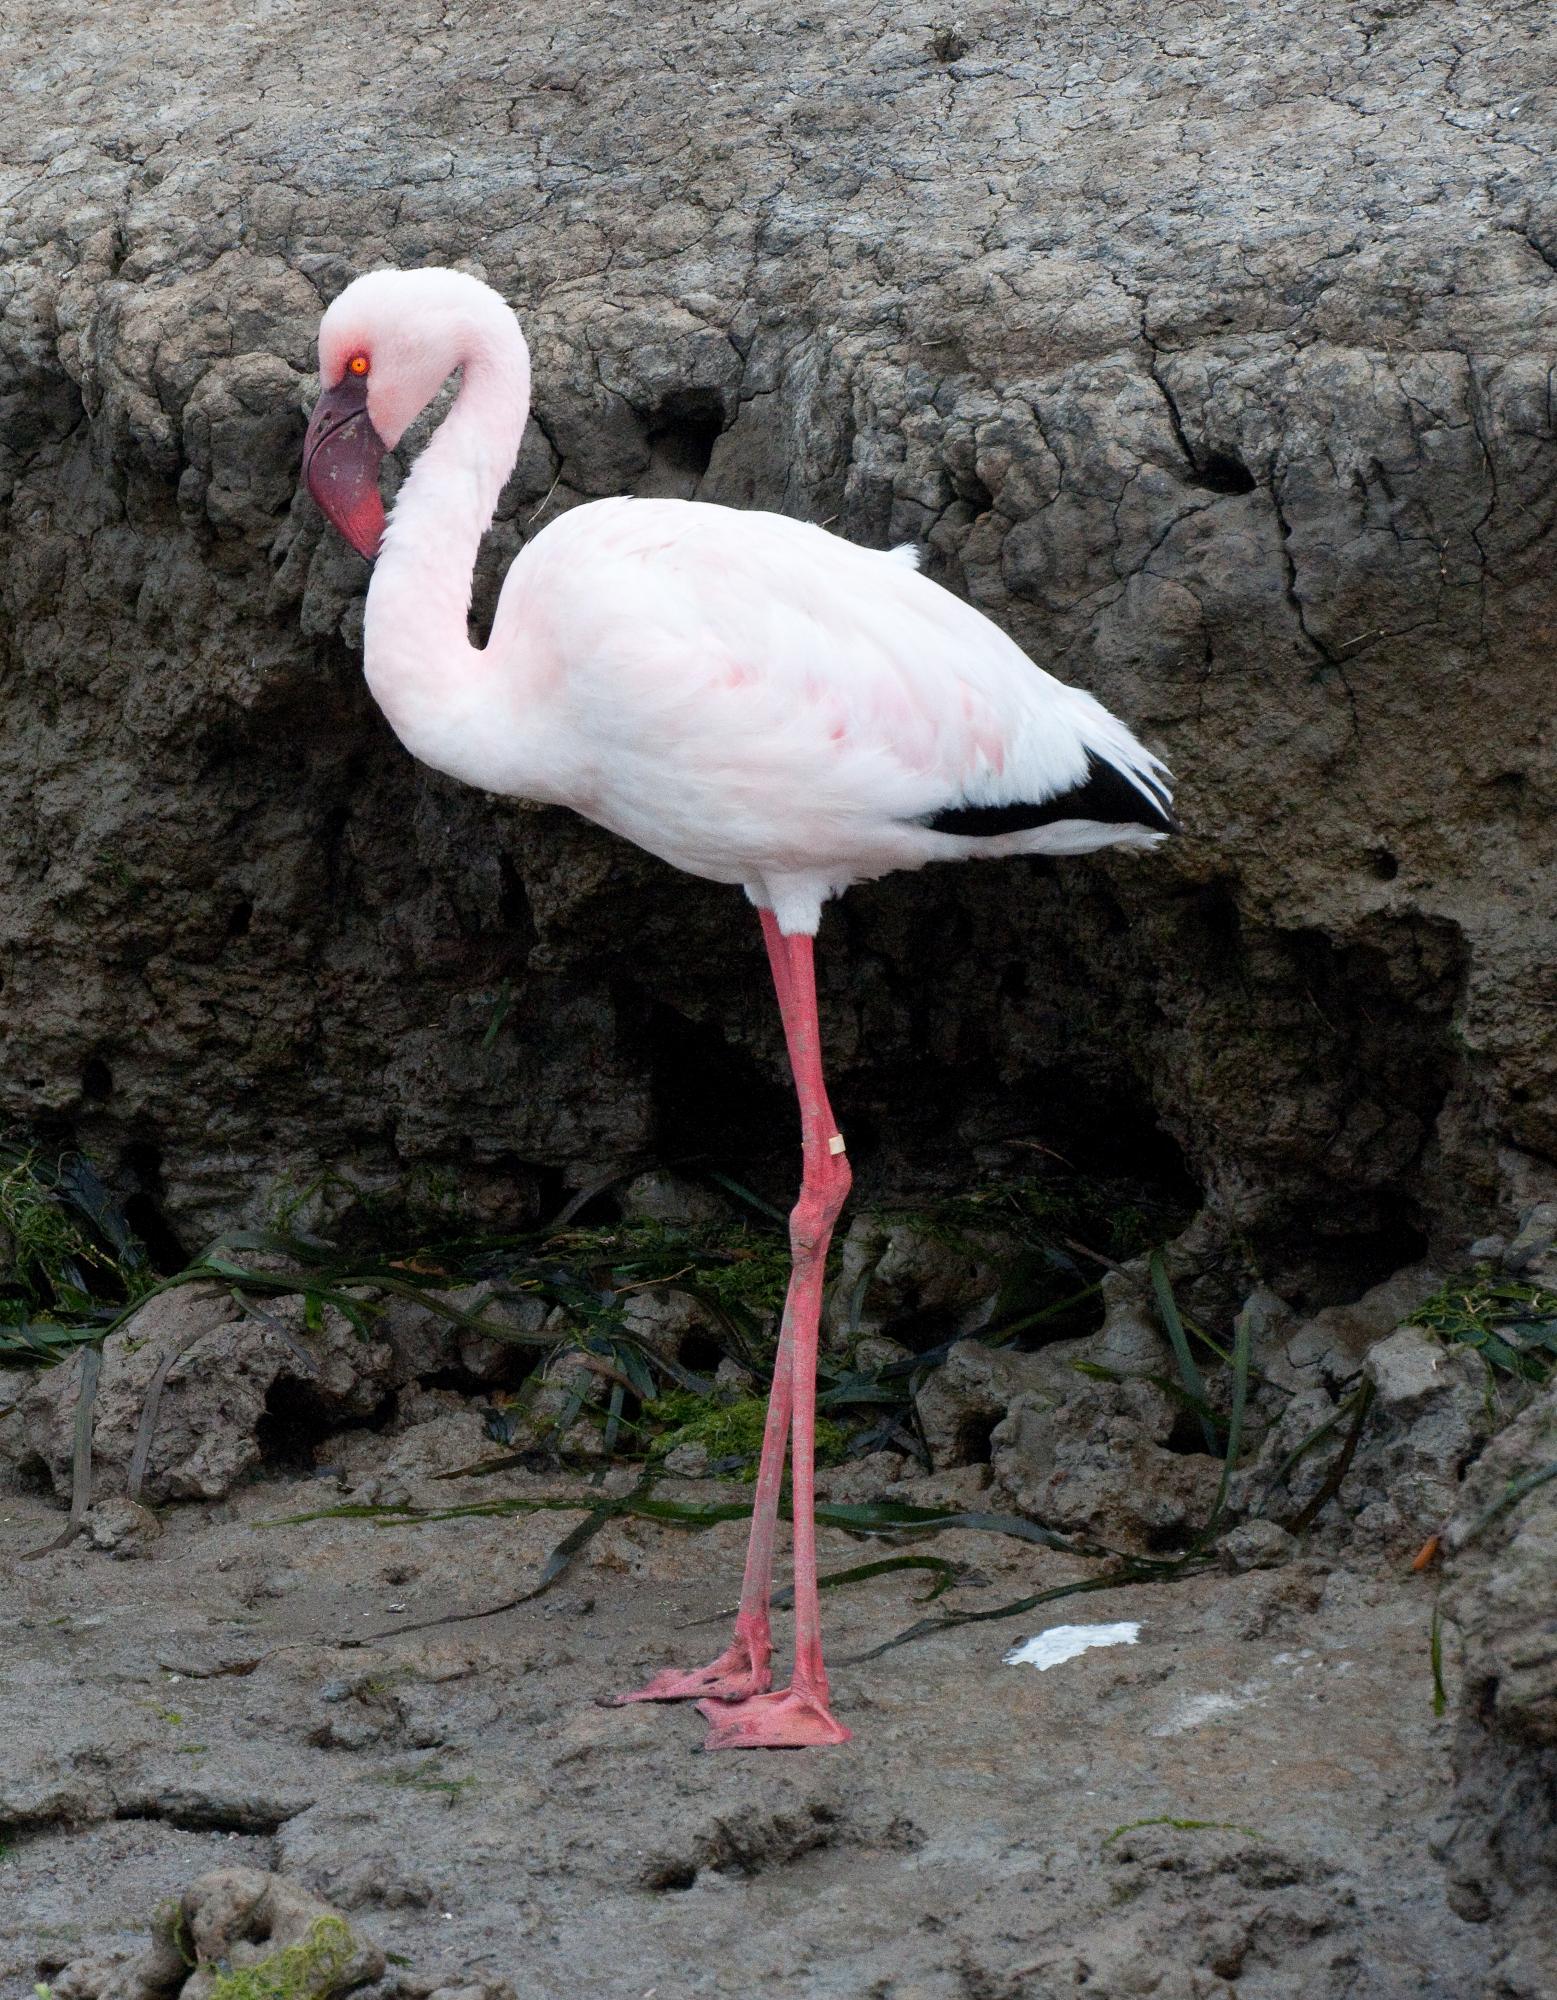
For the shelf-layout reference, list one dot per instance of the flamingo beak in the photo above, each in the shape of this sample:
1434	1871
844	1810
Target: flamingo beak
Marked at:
341	457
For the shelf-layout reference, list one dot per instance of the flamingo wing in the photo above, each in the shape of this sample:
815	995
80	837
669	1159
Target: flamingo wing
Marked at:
786	692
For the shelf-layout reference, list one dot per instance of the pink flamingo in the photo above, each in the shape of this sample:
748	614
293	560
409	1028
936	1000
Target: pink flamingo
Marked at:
744	695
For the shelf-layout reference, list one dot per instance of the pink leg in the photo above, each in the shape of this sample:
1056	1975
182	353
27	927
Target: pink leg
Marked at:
742	1669
799	1716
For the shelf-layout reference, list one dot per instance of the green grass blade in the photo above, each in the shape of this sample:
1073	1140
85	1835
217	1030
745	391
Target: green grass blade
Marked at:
505	996
1173	1326
1115	1580
1512	1494
945	1571
1242	1340
81	1456
1339	1468
744	1193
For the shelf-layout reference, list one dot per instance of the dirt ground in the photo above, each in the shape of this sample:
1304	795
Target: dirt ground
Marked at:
1240	1804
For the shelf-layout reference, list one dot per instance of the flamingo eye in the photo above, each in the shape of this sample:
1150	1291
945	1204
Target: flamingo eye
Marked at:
358	365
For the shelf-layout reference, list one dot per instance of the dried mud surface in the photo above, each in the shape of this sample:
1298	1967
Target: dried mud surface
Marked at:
459	1796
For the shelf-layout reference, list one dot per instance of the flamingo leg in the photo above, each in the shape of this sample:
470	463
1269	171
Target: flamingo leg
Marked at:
743	1669
798	1715
732	1690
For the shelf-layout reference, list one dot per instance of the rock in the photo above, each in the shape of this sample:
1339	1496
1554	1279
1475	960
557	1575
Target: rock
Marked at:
231	1374
674	1203
1410	1368
902	1275
426	1342
122	1527
1131	1342
878	1475
1294	1428
241	1917
97	1979
964	1486
732	1379
875	1351
14	1386
234	1921
241	1388
1502	1552
663	1320
1532	1254
1329	1348
1500	1843
960	1403
1431	1417
565	1375
1257	1544
1269	1320
687	1461
1097	1464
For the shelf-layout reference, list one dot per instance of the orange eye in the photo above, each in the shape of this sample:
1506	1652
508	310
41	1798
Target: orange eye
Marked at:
358	365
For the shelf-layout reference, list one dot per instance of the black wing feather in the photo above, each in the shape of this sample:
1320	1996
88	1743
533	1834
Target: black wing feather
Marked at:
1105	795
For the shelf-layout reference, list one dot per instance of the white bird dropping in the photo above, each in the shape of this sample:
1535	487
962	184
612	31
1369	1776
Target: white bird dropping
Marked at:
1064	1642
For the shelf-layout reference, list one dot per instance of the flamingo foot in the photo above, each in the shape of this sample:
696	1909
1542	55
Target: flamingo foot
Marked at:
740	1673
791	1719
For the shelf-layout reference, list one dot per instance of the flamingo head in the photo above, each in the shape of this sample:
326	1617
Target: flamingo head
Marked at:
387	344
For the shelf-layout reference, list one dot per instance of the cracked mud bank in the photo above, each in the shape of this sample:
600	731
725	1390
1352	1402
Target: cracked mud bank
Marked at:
1211	356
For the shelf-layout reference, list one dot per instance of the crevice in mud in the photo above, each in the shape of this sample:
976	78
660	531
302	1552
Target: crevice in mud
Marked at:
1212	471
670	1875
192	1814
514	912
972	1442
1220	472
516	1365
748	1847
700	1351
1187	1436
296	1423
710	1097
682	434
140	1168
1171	1540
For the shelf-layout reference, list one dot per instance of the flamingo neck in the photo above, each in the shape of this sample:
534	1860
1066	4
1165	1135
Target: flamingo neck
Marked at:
420	664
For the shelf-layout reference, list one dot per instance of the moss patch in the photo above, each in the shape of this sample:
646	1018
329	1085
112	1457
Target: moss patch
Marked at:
729	1431
312	1969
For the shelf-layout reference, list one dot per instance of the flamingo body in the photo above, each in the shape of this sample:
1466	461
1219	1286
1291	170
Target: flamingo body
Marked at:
752	699
759	702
